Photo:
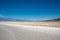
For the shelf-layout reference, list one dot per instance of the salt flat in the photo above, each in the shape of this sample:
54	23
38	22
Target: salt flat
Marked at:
25	32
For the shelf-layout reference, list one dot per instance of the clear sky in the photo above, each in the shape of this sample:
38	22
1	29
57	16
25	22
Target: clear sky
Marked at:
30	9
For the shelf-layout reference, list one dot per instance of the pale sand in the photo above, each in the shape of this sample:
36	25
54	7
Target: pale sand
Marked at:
22	32
50	24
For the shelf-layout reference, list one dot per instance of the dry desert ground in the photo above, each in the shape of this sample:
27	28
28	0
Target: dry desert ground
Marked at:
50	24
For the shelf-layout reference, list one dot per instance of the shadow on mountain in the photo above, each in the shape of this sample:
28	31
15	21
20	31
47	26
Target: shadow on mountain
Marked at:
58	19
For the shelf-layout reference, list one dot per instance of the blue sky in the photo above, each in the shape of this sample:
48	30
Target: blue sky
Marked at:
30	9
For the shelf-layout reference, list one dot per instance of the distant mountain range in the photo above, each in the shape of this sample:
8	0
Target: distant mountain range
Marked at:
58	19
11	19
